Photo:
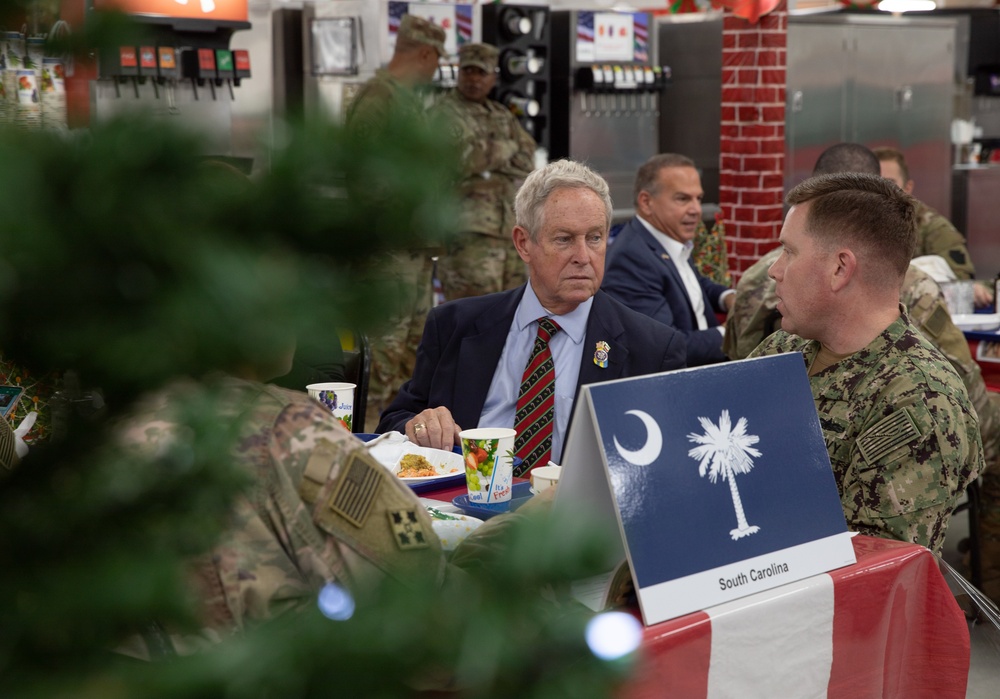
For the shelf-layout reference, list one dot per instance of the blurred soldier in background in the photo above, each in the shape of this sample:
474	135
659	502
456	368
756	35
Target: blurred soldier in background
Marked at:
935	234
419	46
497	153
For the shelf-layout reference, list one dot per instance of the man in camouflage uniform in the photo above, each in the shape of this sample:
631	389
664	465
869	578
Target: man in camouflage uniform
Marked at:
497	154
935	234
902	435
419	46
319	509
393	91
755	316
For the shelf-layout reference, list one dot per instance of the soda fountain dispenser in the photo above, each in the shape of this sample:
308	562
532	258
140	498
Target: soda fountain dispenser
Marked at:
606	95
174	72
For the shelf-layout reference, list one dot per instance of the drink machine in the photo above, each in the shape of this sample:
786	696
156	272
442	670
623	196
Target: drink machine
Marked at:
606	95
184	70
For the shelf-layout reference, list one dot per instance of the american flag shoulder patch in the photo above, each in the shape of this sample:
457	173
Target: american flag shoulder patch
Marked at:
357	489
886	435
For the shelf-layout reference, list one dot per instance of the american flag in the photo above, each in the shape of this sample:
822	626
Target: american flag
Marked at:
585	28
463	21
641	28
396	12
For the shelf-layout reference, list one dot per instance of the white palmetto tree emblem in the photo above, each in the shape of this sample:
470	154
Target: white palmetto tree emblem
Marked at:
726	452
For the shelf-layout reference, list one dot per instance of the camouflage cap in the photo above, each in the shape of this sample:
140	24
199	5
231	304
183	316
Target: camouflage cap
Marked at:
422	31
480	55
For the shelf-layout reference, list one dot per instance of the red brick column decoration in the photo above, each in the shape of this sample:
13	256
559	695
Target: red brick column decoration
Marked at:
752	139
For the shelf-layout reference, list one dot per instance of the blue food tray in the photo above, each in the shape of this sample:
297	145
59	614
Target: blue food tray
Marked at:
438	484
520	493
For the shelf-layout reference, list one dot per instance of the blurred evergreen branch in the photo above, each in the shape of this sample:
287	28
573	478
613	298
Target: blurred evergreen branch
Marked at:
122	240
130	261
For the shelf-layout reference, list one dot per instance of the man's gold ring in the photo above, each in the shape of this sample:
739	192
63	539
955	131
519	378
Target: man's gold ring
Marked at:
419	426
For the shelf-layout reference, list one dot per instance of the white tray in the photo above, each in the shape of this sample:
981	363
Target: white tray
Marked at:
977	321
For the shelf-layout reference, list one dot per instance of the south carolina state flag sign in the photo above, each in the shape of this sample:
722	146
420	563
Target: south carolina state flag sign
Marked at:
717	477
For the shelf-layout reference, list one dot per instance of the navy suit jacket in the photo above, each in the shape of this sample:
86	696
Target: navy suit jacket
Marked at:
463	340
640	274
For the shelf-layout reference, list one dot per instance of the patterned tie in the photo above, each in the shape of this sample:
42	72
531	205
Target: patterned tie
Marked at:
536	402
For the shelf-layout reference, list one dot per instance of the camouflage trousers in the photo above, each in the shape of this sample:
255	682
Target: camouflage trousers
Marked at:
989	499
394	352
988	408
479	264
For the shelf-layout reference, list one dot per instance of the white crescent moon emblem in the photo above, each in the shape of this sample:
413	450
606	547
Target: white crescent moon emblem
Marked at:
650	451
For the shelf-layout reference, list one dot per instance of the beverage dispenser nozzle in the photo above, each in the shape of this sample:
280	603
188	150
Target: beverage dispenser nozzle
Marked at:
630	86
585	82
168	73
225	70
198	65
147	68
608	84
619	86
241	65
127	69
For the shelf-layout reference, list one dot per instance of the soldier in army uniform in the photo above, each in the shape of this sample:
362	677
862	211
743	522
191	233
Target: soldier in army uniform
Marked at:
497	154
419	46
320	509
902	434
935	234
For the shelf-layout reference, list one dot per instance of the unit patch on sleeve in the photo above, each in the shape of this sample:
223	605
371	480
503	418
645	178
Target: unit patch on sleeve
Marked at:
407	529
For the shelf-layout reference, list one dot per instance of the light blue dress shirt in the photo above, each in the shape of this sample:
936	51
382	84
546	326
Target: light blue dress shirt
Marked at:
567	354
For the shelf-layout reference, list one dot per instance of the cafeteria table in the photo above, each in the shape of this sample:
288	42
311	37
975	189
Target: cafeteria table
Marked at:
887	626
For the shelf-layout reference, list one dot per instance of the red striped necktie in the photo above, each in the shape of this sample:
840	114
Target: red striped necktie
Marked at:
536	402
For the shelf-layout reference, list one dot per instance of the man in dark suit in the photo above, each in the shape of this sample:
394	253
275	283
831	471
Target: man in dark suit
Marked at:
649	267
474	351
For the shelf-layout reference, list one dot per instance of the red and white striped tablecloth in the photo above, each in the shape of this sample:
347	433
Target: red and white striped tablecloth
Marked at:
886	627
